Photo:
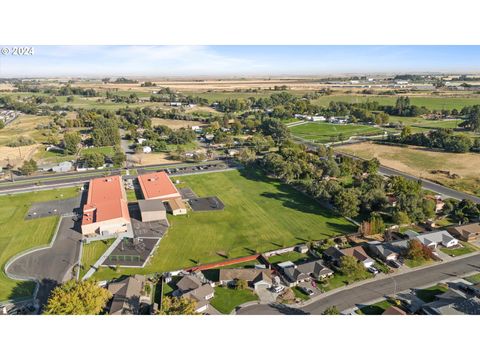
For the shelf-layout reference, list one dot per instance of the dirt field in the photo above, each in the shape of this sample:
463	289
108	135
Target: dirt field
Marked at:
17	155
152	158
420	162
175	124
24	125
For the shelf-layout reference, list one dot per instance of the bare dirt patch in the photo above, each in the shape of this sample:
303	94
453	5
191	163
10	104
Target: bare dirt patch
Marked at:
152	159
175	124
16	156
421	162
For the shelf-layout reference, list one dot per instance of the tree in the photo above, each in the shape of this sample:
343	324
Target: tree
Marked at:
247	156
347	202
400	218
94	159
71	140
331	310
241	284
418	251
28	167
172	305
276	129
119	157
77	298
105	132
352	268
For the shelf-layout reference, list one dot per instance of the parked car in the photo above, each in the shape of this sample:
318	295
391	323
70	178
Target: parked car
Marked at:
278	288
307	291
373	270
394	263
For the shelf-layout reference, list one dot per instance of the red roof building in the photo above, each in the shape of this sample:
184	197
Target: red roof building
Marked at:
158	186
106	210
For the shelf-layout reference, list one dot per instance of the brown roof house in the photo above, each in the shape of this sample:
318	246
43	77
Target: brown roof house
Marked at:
192	287
296	274
128	295
256	278
334	255
467	232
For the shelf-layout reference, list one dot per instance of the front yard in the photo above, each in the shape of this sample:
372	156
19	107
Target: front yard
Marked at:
375	309
227	299
428	295
464	248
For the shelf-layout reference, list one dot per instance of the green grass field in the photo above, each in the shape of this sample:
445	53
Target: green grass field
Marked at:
227	299
17	234
92	252
465	249
428	295
430	102
324	132
105	150
290	256
374	309
260	214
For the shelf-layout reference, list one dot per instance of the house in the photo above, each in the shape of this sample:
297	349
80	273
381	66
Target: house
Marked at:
147	149
152	210
432	239
127	295
106	210
158	186
393	310
467	232
256	278
334	255
177	206
388	251
191	286
453	302
316	269
410	234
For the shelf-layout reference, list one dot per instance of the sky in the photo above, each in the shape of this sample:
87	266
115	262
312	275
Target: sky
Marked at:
238	61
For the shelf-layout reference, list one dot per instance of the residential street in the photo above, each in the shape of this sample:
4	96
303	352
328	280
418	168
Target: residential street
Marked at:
371	291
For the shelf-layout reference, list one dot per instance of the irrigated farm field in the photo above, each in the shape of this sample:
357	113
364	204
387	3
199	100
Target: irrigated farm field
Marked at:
324	132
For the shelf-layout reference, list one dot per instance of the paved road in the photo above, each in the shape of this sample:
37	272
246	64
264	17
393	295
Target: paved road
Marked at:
371	291
52	265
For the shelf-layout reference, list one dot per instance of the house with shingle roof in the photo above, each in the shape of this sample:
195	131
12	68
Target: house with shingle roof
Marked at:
467	232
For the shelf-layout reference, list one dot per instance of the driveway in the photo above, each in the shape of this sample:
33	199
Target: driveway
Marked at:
265	296
52	265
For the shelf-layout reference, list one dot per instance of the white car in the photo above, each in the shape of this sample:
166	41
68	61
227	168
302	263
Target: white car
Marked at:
278	288
373	270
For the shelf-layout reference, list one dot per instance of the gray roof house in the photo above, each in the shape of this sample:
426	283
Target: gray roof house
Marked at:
126	295
432	239
192	287
388	250
255	278
316	269
453	302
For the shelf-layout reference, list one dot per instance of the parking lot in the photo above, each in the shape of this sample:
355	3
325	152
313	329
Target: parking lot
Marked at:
151	229
53	208
210	203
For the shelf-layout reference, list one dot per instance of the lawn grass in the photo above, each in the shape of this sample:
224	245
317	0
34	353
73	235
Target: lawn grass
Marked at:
92	252
227	299
465	249
17	234
374	309
474	279
411	263
300	294
428	295
104	150
337	280
290	256
131	195
430	102
325	132
260	214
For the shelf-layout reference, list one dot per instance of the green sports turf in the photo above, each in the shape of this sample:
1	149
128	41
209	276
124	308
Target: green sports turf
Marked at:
260	214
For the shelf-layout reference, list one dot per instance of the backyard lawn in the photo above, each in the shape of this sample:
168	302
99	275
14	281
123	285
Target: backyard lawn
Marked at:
104	150
227	299
260	214
325	132
290	256
92	252
17	234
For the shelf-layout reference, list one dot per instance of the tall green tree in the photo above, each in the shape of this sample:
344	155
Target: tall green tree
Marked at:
71	140
77	298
